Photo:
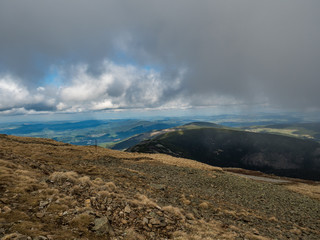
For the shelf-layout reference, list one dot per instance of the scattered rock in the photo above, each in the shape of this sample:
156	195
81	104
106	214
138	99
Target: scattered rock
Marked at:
43	204
40	215
40	238
6	209
154	221
87	203
102	226
158	186
124	221
15	236
127	209
145	221
4	200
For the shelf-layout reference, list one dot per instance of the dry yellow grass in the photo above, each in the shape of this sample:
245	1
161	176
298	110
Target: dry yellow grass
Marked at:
62	177
175	211
184	200
203	230
204	205
131	234
306	189
144	200
183	162
82	221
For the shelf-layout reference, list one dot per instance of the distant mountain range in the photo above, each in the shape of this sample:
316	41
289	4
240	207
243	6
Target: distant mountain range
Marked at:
105	132
226	147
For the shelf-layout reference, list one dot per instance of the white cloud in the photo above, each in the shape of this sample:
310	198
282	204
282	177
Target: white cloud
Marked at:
116	87
11	93
18	98
85	87
107	104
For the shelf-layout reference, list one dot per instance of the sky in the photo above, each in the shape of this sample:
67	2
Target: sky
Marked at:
89	56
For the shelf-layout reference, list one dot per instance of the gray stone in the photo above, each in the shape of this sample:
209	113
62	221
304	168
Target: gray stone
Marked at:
6	209
43	204
127	209
158	186
154	221
102	226
145	221
40	215
40	238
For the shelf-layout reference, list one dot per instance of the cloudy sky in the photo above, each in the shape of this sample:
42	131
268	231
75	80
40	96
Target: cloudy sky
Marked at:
71	56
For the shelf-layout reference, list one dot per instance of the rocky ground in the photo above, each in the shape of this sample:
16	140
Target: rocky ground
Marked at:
51	190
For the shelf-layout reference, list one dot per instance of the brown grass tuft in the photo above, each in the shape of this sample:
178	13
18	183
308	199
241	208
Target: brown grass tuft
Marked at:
85	181
184	200
57	207
175	211
144	200
7	164
61	177
67	200
204	205
111	187
131	234
82	221
12	236
98	181
102	195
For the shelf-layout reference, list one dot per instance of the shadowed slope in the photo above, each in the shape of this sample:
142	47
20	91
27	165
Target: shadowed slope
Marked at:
281	155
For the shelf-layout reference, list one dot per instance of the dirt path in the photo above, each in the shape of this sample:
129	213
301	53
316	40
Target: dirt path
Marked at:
264	179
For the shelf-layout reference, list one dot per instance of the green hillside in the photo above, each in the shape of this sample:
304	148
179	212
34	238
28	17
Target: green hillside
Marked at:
132	141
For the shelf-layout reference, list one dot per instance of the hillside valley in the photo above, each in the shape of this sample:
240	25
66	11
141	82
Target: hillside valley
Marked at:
104	132
53	190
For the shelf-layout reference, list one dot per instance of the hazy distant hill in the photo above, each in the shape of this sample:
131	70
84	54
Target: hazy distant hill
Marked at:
300	130
106	132
281	155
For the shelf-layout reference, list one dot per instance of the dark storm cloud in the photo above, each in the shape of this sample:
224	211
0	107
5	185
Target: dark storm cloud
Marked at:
40	107
248	51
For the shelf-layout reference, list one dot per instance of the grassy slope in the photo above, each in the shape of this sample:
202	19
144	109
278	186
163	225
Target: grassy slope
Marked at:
232	148
59	191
